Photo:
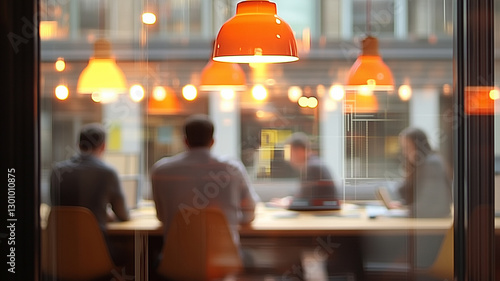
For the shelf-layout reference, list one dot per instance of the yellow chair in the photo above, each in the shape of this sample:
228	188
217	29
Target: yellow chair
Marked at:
74	247
202	249
443	266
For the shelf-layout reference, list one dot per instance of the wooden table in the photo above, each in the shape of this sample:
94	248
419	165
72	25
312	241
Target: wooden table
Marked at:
279	222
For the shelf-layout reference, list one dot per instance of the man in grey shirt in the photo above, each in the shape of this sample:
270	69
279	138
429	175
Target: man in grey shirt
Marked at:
197	179
86	181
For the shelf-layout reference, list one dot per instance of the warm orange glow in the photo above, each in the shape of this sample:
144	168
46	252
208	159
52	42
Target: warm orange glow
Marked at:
405	92
255	34
189	92
61	92
337	92
227	94
102	74
303	101
136	93
447	90
311	102
259	92
48	29
169	104
369	70
478	100
60	65
148	18
294	93
355	103
494	94
220	75
104	97
159	93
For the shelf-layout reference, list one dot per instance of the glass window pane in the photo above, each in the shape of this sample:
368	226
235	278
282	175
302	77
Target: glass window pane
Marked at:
357	136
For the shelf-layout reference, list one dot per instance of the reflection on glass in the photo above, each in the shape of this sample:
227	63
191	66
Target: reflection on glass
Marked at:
355	133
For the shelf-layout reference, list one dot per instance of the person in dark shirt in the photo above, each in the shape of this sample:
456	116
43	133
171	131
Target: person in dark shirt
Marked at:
86	181
316	181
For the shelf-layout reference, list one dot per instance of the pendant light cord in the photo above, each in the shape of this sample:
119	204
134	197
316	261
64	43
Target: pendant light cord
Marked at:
368	17
101	18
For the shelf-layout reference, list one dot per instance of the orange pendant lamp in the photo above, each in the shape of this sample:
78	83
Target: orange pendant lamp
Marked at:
164	102
356	103
369	71
255	35
217	76
102	75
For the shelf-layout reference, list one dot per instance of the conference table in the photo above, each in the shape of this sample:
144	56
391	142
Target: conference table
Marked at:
352	219
275	224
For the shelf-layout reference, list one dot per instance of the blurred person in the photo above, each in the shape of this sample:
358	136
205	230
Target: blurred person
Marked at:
86	181
426	188
316	180
196	179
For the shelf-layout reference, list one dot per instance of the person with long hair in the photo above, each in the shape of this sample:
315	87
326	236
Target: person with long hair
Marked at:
427	184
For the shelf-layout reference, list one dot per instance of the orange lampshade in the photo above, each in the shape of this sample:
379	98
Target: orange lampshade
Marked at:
102	74
369	69
479	100
255	35
167	105
356	103
217	76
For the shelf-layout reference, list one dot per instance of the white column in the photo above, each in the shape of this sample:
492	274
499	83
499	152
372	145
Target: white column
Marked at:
225	115
424	114
346	20
331	137
401	19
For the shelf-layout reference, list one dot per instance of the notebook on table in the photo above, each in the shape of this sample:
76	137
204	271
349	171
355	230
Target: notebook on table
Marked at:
388	210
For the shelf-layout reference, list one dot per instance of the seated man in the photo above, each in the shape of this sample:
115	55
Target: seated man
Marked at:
316	182
197	179
86	181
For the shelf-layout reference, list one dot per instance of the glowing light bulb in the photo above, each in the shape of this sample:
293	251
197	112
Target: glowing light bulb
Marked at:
494	94
294	93
60	65
148	18
61	92
312	102
159	93
404	92
259	92
189	92
337	92
104	97
227	94
365	90
303	101
136	93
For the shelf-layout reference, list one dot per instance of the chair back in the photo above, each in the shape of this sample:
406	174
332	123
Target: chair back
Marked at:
199	249
74	247
442	267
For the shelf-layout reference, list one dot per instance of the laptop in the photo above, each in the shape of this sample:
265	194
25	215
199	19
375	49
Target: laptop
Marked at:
314	204
383	195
